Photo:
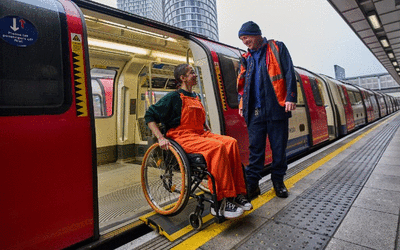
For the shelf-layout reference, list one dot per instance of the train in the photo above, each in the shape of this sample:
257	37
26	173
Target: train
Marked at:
76	78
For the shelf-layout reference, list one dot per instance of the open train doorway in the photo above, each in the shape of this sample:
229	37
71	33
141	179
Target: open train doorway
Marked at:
131	68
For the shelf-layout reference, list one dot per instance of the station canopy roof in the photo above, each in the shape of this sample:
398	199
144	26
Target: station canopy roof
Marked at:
377	24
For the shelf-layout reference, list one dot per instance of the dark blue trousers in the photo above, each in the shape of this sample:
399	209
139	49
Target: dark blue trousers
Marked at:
277	131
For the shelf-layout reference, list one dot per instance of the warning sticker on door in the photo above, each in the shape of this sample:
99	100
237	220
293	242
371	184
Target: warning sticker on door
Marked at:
18	31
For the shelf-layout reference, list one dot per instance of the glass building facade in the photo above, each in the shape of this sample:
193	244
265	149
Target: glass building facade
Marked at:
152	9
199	16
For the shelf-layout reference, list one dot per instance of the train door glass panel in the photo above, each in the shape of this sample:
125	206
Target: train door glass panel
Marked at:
344	100
300	96
229	72
33	81
103	91
316	89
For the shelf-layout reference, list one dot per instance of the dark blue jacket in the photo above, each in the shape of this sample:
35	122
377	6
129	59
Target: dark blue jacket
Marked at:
271	109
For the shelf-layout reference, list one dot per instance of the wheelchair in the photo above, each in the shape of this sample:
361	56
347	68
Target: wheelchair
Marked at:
170	177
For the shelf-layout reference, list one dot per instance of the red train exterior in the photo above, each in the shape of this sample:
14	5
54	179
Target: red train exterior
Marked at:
49	197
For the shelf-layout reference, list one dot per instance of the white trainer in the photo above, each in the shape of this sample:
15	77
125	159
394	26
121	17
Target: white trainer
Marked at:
243	203
228	210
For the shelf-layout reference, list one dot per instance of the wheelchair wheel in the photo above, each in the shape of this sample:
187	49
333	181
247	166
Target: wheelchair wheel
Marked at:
165	179
195	221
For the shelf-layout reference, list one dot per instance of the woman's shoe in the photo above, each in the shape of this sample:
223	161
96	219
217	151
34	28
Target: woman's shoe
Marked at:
243	203
228	210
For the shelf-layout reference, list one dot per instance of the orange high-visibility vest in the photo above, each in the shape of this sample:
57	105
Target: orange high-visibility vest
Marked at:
274	70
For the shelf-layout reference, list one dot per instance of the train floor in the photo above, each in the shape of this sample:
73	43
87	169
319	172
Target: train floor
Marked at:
344	196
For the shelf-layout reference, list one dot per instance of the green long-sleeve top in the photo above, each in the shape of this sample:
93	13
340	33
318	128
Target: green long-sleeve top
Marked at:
168	109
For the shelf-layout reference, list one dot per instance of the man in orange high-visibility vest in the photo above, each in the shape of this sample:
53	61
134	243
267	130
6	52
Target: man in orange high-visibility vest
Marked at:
267	95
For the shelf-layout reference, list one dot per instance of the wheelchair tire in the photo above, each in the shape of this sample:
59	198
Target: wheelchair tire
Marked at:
195	221
165	179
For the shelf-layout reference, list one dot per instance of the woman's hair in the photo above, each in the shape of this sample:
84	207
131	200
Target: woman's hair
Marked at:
180	70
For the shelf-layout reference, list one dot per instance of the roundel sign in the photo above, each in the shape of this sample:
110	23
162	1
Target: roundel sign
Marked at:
18	31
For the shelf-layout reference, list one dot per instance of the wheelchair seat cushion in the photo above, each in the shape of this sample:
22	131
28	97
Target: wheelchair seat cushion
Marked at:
196	159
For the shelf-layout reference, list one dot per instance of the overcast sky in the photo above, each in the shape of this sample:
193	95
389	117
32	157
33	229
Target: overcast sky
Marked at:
315	34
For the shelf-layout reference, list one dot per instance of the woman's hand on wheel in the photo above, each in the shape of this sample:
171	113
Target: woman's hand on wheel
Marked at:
164	143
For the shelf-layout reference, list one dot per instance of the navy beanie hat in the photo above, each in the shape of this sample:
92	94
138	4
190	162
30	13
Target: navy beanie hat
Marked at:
249	28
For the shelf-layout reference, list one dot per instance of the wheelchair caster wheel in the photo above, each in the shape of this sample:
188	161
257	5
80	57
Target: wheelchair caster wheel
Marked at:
195	221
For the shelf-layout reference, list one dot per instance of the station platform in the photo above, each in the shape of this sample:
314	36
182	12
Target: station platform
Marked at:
343	196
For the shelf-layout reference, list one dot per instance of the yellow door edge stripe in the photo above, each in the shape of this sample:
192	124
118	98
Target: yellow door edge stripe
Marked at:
213	230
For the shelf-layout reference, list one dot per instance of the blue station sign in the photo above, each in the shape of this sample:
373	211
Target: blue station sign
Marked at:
18	31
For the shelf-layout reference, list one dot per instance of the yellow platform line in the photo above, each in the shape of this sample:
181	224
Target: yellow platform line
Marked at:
213	230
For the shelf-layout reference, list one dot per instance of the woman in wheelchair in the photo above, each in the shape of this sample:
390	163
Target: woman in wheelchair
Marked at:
184	117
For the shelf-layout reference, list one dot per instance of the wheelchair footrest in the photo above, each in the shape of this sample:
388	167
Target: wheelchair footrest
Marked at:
173	227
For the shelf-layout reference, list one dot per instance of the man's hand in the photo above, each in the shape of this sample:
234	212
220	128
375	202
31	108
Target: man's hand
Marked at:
241	112
289	106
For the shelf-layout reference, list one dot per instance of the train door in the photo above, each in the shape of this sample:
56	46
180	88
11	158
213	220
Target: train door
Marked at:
381	102
355	99
347	107
135	60
374	104
46	127
299	127
340	112
388	104
316	106
367	106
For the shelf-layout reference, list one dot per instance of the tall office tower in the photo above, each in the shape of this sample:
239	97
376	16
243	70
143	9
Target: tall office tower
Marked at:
199	16
152	9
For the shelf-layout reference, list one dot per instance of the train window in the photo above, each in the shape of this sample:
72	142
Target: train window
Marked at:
35	77
229	71
102	91
358	98
352	97
316	89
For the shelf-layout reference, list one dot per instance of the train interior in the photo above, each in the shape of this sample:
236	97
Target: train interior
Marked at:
131	67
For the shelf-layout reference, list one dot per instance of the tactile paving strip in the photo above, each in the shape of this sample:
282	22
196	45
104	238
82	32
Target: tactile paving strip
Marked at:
286	237
309	221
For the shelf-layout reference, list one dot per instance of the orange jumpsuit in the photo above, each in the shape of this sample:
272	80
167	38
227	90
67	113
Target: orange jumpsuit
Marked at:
221	152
